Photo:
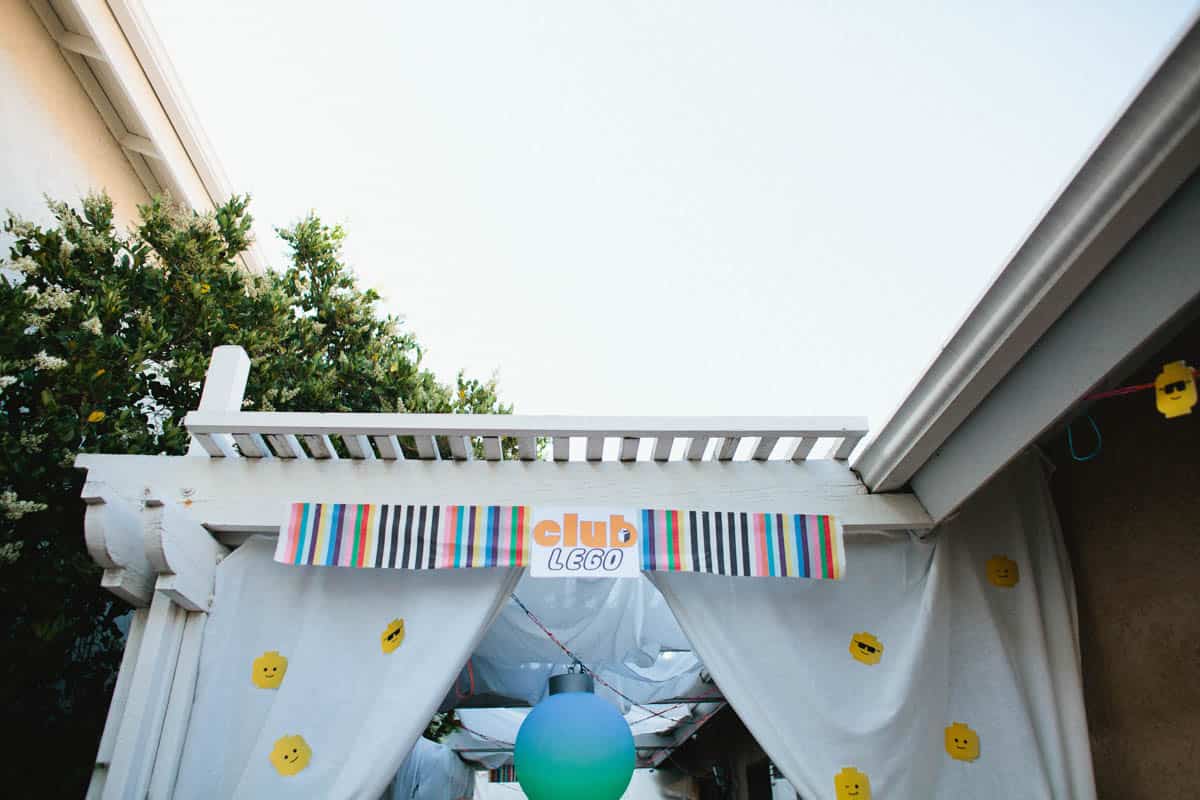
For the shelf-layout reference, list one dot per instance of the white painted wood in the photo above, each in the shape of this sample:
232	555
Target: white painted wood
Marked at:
243	496
205	421
140	144
696	448
662	447
112	532
729	445
149	119
358	446
562	448
594	450
527	448
846	447
766	444
427	448
223	391
1141	161
1154	280
389	448
97	94
460	448
286	445
179	709
116	706
183	554
251	445
79	44
321	447
491	448
803	448
629	448
138	735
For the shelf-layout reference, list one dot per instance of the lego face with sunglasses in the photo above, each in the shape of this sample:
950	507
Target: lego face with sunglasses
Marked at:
1175	389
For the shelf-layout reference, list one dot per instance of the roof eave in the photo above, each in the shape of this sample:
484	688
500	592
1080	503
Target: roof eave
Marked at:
1135	168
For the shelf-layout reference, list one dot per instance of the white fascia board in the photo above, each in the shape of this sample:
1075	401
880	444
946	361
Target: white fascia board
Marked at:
1153	283
125	40
1153	147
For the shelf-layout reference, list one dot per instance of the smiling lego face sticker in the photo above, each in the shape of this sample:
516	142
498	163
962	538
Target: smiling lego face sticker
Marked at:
850	784
392	635
962	743
1002	571
1175	389
865	648
290	755
268	670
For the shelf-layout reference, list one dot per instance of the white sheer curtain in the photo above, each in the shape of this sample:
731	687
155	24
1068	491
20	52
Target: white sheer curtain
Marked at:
1004	661
432	771
358	708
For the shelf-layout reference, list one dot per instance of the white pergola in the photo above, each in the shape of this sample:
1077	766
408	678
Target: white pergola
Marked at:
159	525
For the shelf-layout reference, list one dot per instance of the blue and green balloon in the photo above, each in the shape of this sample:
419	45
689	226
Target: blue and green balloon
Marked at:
574	746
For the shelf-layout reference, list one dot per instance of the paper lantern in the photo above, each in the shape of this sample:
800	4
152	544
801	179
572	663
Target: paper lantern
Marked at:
573	745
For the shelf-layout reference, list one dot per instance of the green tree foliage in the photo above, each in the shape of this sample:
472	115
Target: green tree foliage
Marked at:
104	340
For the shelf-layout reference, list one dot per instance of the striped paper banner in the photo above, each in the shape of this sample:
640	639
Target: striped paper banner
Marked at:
504	774
741	543
398	536
404	536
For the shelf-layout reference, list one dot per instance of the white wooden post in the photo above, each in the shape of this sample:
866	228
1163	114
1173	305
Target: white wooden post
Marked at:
145	709
224	389
160	557
116	707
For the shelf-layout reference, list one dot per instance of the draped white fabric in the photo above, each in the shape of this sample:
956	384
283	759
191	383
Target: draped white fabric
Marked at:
619	628
432	771
359	709
956	647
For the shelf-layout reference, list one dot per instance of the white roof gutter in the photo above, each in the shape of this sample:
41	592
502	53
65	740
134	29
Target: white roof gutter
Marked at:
1138	165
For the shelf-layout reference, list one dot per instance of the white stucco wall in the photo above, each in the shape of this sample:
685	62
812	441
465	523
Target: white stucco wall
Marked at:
52	139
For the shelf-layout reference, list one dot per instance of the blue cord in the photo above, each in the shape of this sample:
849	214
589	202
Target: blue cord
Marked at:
1071	442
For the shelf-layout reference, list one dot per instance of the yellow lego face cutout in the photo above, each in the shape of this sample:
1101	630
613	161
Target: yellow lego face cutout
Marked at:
962	743
1175	389
392	635
1002	571
268	670
850	784
290	755
865	648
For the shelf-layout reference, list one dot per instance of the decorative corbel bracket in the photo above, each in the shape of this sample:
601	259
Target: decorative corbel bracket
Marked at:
183	553
112	531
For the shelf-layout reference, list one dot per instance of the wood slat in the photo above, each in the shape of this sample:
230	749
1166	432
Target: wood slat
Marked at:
662	447
729	445
460	448
491	448
359	447
765	445
427	448
629	448
286	445
321	447
595	448
695	451
252	445
562	448
846	447
803	448
514	425
389	448
210	444
527	448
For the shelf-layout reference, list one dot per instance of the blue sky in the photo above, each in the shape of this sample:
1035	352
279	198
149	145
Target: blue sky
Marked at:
676	207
